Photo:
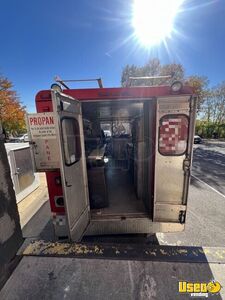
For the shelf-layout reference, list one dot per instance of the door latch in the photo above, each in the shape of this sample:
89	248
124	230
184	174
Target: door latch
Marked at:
67	184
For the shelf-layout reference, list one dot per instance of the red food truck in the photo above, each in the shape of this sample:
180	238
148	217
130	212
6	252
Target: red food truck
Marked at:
117	160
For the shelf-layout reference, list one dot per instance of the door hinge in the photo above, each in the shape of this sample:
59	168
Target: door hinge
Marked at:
182	216
34	147
17	171
186	164
60	106
191	104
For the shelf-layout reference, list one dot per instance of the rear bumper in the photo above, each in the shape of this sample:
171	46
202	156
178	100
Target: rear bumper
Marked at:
130	226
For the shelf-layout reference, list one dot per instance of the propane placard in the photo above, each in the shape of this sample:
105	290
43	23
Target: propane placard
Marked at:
42	130
42	125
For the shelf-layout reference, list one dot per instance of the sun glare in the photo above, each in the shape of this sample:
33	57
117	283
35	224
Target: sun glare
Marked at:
153	20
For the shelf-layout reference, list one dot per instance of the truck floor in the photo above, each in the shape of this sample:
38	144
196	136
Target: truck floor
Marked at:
122	198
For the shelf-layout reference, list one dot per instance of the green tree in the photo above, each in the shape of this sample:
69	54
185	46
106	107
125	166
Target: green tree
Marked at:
12	113
174	71
152	68
200	86
213	112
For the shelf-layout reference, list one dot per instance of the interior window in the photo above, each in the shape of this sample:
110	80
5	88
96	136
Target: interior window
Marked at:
121	128
71	140
107	128
173	134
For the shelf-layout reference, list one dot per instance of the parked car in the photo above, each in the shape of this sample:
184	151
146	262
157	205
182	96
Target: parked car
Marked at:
19	139
197	139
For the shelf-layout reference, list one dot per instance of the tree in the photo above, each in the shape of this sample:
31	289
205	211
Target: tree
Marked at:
218	96
152	68
175	72
200	86
213	111
12	113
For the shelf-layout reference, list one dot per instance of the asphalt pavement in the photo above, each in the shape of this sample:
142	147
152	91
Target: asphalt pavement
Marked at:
205	222
83	279
209	164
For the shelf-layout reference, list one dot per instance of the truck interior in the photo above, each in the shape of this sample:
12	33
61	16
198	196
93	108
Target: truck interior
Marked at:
118	155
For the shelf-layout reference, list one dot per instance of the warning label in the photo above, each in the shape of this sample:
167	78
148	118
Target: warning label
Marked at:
44	143
42	126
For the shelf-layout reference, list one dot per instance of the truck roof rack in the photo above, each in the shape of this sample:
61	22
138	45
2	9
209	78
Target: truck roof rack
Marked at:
62	81
133	78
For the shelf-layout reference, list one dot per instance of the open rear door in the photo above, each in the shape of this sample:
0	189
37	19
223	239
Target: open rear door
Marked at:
173	154
69	132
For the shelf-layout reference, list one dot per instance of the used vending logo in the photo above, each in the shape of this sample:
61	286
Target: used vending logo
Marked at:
199	289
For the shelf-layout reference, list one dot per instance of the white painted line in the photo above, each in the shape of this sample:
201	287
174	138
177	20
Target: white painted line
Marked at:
209	186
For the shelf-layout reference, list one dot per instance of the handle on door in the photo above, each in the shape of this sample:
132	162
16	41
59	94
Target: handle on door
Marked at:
68	185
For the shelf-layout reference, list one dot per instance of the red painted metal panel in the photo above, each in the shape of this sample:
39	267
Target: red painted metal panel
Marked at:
54	190
115	93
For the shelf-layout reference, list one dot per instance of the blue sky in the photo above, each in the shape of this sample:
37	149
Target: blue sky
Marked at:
91	38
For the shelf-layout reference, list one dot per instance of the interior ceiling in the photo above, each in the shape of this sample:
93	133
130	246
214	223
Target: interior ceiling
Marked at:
112	110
